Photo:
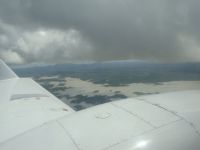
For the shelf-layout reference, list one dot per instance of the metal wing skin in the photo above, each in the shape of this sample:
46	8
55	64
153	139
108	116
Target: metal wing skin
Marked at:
25	105
32	118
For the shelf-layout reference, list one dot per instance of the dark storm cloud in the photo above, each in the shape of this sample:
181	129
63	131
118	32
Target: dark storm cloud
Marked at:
166	30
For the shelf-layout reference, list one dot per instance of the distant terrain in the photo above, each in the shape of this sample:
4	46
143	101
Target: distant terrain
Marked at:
86	85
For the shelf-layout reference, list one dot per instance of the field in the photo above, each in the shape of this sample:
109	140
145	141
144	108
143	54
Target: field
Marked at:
85	85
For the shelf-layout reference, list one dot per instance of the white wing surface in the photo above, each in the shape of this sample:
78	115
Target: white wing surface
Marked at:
24	105
32	118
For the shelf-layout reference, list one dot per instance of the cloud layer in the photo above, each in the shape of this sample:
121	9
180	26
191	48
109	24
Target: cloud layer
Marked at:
99	30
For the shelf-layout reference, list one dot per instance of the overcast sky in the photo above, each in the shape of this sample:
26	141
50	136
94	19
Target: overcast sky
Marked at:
59	31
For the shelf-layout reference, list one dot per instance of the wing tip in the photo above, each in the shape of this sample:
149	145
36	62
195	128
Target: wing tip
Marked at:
6	72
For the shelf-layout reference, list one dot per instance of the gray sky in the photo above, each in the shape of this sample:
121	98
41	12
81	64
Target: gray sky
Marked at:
59	31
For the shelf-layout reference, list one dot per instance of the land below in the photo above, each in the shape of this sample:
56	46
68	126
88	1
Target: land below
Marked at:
85	85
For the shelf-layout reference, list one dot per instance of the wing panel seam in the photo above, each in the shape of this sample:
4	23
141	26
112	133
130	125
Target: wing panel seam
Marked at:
69	135
174	113
135	115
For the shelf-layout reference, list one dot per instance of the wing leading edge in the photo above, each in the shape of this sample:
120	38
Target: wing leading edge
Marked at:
24	105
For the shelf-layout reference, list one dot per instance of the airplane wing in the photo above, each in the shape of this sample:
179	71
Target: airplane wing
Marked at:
32	118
